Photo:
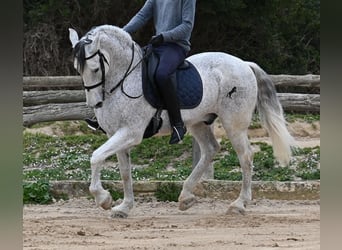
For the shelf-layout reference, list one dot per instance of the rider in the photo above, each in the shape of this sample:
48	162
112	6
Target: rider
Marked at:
173	22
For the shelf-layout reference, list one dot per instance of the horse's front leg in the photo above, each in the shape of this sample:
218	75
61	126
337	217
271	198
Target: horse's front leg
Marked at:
123	209
122	140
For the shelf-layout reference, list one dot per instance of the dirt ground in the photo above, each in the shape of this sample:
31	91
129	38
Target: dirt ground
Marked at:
79	224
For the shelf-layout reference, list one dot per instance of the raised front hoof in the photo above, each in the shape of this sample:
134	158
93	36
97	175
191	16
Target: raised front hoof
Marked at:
119	214
187	203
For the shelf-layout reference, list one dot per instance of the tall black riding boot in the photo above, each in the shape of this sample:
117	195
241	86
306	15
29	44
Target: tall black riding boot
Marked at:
169	96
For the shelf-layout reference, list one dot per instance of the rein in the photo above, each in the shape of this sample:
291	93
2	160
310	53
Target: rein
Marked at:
129	70
127	73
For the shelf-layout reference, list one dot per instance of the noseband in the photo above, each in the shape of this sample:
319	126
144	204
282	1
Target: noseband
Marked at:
103	79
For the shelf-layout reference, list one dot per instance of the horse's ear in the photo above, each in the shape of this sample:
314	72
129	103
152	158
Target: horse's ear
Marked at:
73	36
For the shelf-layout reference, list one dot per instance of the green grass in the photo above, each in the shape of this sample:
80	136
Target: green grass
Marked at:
52	158
57	158
68	158
289	117
309	118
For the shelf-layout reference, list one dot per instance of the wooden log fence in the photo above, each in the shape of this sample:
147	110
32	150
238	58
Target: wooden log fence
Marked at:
61	98
294	83
74	82
56	112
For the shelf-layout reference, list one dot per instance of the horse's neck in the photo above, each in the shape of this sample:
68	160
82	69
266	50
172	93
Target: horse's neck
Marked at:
126	58
127	64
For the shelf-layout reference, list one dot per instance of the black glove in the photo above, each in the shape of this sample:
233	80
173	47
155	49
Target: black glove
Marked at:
157	40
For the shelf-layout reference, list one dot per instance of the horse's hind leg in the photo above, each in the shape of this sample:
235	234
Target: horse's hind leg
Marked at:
244	151
208	148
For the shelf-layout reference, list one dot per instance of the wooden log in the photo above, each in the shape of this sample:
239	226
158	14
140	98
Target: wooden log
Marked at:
300	102
297	83
31	98
290	101
75	82
79	111
308	81
56	112
51	82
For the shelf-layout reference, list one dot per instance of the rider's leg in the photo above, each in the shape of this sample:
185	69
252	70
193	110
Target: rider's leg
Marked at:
170	57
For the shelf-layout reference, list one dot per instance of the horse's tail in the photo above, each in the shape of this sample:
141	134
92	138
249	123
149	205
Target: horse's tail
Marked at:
271	115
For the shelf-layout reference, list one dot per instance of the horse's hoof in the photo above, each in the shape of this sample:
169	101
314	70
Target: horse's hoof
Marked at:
107	203
119	214
187	203
233	210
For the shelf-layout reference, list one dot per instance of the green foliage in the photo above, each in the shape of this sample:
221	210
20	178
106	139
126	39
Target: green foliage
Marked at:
281	36
309	118
266	168
57	158
308	160
116	194
227	166
60	158
289	117
168	192
68	158
49	158
304	166
37	192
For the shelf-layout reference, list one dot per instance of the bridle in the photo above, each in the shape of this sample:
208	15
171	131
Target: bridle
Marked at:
103	79
102	60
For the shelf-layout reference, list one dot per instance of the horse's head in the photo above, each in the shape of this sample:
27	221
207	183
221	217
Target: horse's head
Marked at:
104	57
92	63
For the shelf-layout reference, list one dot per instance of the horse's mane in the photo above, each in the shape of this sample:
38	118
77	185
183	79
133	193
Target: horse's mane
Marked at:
113	32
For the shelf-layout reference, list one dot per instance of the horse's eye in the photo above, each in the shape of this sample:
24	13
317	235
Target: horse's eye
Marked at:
95	70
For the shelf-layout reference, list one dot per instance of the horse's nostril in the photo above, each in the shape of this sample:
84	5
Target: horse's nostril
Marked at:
98	105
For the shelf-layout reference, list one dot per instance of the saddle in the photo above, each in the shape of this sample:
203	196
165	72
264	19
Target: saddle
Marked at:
189	83
189	88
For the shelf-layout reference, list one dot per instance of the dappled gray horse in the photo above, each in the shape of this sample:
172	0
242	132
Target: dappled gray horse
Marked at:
109	62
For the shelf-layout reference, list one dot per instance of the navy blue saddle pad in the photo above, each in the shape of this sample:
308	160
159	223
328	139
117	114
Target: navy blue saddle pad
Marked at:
189	88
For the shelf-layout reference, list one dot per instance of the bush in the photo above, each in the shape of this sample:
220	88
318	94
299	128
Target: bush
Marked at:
168	192
37	192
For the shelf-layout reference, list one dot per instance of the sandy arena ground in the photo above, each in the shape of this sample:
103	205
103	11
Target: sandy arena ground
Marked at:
78	224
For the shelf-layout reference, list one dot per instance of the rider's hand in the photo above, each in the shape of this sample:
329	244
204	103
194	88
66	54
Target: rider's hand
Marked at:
157	40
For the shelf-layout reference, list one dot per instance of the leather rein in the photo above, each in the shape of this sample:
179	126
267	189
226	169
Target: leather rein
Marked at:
102	60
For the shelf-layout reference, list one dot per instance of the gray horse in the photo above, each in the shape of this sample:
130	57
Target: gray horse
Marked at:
109	62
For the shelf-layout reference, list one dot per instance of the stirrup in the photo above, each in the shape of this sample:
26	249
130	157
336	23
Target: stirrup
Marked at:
93	124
